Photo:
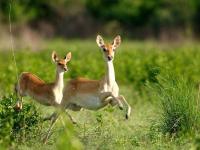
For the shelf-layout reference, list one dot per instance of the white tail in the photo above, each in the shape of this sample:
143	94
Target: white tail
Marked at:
95	94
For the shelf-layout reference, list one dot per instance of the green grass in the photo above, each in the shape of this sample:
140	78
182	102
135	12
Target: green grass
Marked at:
139	66
180	105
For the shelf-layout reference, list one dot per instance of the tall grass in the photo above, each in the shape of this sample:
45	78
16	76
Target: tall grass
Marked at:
180	106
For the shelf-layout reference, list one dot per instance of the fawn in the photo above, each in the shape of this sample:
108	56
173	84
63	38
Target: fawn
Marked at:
95	94
49	94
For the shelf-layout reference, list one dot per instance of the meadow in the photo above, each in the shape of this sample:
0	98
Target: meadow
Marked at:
159	80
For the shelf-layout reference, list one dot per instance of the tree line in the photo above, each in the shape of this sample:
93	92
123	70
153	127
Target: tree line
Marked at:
136	18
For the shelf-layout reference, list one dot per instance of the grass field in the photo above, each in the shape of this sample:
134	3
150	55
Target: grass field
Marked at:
160	81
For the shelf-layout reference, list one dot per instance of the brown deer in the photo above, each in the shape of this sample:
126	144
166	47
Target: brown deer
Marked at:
49	94
95	94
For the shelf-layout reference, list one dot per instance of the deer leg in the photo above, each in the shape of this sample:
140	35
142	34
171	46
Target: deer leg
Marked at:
70	117
116	101
50	117
53	121
18	105
119	103
110	98
121	97
72	107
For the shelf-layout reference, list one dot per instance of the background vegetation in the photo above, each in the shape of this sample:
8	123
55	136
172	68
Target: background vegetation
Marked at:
159	81
161	19
157	69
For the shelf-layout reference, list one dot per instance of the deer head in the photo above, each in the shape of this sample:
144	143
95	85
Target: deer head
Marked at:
108	49
61	63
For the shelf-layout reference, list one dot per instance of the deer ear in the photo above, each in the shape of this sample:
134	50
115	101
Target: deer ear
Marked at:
100	41
116	42
54	56
68	57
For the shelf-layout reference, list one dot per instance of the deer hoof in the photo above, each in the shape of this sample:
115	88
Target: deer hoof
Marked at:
127	116
18	106
121	107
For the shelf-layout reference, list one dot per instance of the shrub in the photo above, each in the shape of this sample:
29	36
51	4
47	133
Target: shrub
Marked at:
16	125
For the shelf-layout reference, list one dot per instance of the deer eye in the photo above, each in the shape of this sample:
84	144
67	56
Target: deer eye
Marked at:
104	49
59	64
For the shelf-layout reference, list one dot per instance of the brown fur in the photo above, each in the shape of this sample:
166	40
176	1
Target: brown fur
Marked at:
81	85
109	49
95	94
33	86
45	93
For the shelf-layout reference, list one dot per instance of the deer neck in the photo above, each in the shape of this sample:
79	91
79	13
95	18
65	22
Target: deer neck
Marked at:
110	76
59	83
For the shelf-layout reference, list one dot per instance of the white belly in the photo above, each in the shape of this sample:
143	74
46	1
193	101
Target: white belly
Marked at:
88	101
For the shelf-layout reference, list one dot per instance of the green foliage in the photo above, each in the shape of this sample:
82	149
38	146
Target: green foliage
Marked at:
126	14
68	140
125	11
196	144
137	64
25	11
153	14
180	106
18	126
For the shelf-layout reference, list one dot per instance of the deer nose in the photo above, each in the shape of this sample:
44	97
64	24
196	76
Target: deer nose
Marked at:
65	68
110	58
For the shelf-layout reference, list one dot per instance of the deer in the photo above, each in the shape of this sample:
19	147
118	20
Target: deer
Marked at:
95	94
48	94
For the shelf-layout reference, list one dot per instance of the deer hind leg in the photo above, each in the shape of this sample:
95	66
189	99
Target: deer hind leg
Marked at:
71	118
18	105
121	97
50	117
53	121
72	107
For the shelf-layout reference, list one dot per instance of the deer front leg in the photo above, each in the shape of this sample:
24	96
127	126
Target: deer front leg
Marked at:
121	97
113	100
116	101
